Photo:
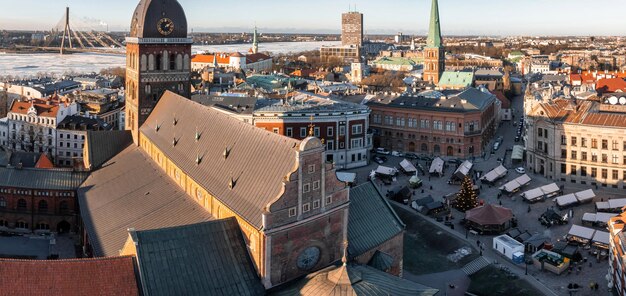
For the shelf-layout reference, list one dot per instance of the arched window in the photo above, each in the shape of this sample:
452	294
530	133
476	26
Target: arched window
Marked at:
179	62
166	61
148	88
64	207
151	62
172	62
21	224
21	204
186	62
3	202
144	62
159	62
43	206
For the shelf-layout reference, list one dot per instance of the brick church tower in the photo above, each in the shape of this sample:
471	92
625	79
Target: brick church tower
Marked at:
158	58
434	54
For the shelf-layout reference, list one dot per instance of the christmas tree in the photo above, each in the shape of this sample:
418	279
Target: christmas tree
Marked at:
467	198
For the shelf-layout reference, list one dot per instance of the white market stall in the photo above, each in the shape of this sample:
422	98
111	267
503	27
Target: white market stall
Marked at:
597	219
580	234
601	239
386	171
494	174
516	184
575	198
585	196
507	246
463	170
518	153
436	167
612	205
407	167
541	193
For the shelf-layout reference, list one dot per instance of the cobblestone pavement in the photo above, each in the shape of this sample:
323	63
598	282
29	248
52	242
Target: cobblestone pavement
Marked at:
527	214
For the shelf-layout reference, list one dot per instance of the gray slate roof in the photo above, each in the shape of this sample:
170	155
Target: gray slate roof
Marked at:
131	191
208	258
372	221
350	280
469	100
258	161
103	145
48	179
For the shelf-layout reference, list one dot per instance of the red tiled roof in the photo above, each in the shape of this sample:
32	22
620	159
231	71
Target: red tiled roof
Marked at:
611	85
256	57
564	110
208	58
101	276
21	107
44	162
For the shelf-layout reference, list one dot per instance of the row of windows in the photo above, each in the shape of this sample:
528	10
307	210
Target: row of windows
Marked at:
307	206
42	206
425	123
615	144
615	158
68	136
32	119
306	188
67	145
593	172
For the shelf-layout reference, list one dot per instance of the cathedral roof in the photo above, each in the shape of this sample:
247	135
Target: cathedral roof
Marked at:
243	166
148	14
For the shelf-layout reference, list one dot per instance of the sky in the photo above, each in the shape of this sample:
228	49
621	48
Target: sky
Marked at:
458	17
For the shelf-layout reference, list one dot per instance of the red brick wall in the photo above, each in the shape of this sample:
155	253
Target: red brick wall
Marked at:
31	214
326	233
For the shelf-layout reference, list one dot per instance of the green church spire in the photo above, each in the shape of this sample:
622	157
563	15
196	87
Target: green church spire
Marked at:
434	32
255	42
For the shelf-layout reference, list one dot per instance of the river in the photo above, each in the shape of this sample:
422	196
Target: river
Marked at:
25	65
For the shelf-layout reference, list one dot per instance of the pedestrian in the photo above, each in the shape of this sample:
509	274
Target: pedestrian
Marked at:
431	187
478	243
500	202
529	208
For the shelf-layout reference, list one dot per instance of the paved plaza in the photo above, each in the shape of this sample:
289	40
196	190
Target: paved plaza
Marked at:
526	214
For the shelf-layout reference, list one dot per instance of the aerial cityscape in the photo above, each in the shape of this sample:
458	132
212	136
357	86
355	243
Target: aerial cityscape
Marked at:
384	149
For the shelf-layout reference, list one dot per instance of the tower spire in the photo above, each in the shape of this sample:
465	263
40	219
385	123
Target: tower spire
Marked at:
434	31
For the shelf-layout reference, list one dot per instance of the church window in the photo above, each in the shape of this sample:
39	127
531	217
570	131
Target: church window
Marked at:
329	199
166	64
179	62
144	62
186	62
159	62
172	61
148	88
151	62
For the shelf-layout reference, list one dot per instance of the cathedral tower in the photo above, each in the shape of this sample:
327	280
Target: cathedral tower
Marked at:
434	55
158	58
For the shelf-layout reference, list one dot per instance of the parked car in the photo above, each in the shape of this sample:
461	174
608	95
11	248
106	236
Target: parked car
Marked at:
425	157
396	153
455	161
520	170
378	159
496	146
382	151
517	138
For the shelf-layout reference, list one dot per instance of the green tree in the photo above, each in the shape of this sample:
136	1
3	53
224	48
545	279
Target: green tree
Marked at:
467	198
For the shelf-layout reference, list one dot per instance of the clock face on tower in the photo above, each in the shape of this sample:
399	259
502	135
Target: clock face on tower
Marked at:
308	258
165	26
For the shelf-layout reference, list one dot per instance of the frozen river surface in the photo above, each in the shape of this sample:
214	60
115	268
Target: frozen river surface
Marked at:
24	65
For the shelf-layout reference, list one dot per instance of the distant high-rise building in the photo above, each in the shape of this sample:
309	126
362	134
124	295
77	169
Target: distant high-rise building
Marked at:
352	28
434	55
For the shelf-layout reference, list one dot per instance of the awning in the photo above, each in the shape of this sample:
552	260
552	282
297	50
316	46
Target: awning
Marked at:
516	184
495	174
581	232
585	196
346	177
598	217
463	169
407	166
541	192
566	200
602	205
589	217
601	237
383	170
617	203
436	166
518	152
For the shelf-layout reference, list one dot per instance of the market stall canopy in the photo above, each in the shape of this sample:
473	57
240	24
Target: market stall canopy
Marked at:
436	166
578	197
582	232
611	204
346	177
598	217
601	237
518	152
585	195
495	174
383	170
463	170
516	184
489	215
407	166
